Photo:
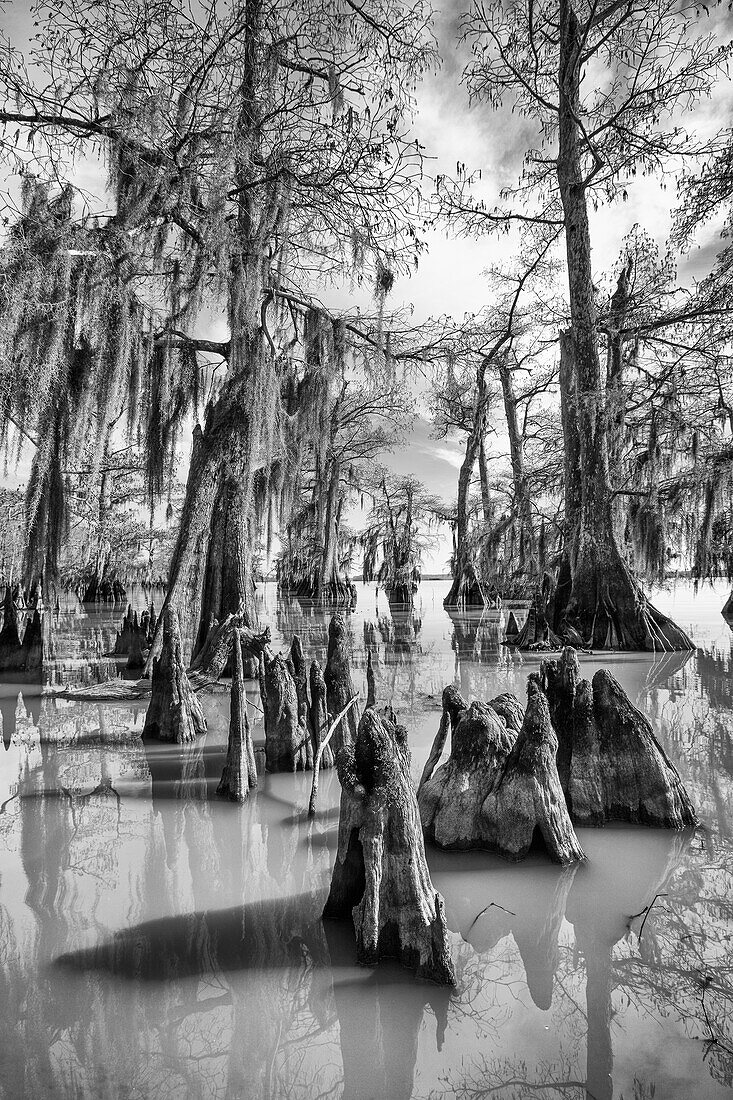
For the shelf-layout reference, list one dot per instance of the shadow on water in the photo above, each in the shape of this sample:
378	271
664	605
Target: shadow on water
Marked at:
258	935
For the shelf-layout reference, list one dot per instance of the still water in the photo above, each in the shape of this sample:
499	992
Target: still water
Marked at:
158	942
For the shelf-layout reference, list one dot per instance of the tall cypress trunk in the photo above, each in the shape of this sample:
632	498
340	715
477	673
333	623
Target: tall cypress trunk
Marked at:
466	589
227	583
606	607
529	559
328	579
222	452
483	466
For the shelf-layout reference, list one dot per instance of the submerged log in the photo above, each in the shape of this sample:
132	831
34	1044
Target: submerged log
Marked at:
174	713
240	770
526	796
451	801
339	686
288	746
380	877
611	765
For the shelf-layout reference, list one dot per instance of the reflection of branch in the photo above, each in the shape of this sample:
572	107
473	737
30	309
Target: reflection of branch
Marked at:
646	911
7	800
712	1039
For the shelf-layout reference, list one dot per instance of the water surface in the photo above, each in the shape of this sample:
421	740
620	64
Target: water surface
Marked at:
158	942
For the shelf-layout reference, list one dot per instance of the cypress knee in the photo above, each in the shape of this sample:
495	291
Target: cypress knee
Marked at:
526	796
240	770
451	800
286	740
339	687
612	766
380	877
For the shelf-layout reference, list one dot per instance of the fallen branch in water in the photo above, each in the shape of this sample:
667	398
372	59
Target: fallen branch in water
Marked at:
485	909
317	762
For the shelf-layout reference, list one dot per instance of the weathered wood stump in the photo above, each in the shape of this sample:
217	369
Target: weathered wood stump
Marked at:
339	686
297	669
380	877
526	797
451	800
288	746
318	716
240	771
611	766
174	713
508	707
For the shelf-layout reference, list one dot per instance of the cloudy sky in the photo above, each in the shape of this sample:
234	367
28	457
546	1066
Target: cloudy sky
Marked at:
450	279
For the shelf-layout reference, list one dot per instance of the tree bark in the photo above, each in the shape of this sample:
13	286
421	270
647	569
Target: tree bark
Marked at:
605	606
339	686
174	712
526	796
288	746
380	877
318	715
611	766
466	589
451	801
240	771
228	585
528	556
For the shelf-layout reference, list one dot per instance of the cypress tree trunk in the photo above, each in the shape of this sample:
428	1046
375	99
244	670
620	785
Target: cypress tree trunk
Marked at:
227	584
466	589
484	474
605	607
528	557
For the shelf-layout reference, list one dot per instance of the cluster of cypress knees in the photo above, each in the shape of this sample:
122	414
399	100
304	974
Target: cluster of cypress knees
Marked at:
579	753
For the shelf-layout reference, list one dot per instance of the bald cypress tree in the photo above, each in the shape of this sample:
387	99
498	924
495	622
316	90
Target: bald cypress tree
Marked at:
249	154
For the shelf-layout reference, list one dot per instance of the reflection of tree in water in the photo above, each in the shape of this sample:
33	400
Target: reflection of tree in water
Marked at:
217	984
397	655
309	621
656	977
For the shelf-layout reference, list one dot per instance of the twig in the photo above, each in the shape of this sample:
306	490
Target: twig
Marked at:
317	762
496	905
646	911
